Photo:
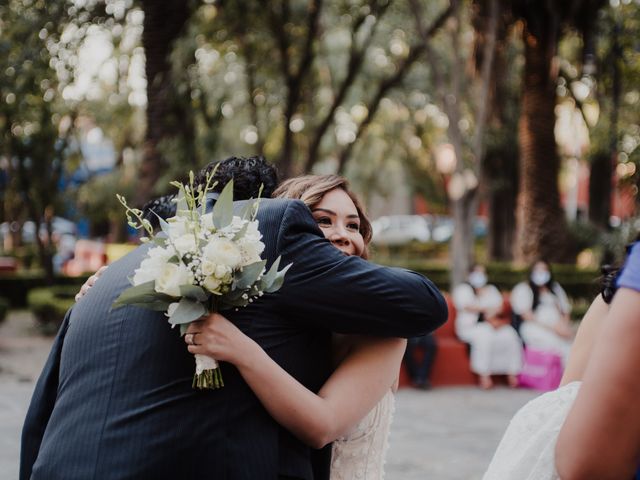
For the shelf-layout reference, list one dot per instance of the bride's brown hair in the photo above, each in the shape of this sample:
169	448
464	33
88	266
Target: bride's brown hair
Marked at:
311	188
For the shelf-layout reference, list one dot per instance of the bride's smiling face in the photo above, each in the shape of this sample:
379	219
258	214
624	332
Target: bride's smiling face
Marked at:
338	219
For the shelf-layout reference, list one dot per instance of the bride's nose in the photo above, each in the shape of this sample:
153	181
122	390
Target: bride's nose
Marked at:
339	236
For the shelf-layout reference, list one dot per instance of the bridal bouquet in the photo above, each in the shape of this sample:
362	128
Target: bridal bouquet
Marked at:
201	262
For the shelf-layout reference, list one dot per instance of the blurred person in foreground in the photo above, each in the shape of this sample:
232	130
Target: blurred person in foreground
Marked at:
526	450
600	438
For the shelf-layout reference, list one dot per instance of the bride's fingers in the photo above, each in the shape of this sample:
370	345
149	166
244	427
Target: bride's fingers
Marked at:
82	292
194	327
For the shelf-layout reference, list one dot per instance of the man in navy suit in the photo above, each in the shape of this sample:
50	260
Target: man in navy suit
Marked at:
115	399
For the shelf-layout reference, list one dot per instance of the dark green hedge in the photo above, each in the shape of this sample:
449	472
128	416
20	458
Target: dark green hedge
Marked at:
50	304
578	283
16	286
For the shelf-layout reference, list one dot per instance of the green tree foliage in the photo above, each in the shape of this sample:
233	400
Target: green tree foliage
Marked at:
36	137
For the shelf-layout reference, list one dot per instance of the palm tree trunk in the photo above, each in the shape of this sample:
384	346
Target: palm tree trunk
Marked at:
542	229
163	24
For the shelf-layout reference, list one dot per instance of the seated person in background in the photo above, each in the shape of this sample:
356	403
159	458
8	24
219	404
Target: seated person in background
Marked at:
480	321
419	371
544	308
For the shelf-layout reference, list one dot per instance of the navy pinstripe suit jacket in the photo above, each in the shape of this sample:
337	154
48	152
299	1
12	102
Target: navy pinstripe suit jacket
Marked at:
115	400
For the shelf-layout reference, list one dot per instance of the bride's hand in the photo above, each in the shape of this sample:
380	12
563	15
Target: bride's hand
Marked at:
89	283
217	337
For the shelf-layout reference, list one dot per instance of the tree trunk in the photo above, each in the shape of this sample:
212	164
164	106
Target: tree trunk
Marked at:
600	188
601	180
501	176
163	24
542	229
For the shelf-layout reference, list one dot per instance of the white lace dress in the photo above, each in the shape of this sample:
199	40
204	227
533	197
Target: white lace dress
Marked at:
526	451
360	455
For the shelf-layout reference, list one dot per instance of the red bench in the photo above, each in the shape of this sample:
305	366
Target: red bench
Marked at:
451	365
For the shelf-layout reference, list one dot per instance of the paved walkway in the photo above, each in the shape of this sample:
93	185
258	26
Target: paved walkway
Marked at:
443	434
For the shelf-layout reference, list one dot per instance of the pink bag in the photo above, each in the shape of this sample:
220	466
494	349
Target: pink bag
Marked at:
542	370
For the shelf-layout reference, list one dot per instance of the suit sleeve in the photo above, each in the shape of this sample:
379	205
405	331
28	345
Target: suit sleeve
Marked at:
42	403
326	289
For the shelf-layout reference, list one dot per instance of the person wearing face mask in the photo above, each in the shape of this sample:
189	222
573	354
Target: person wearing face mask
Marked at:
480	321
544	308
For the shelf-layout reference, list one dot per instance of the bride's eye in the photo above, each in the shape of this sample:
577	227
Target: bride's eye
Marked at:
323	221
353	226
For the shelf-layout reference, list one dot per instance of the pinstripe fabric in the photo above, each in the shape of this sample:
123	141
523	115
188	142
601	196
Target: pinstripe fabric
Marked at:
115	399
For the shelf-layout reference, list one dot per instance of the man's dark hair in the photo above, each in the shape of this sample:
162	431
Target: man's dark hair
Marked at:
163	207
248	175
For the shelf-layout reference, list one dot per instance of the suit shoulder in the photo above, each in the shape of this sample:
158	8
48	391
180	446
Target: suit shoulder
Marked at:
281	204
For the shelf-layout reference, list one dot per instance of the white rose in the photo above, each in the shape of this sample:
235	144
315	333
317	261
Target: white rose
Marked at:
235	226
185	244
207	267
253	234
222	251
172	277
250	251
221	271
206	221
212	284
151	266
178	226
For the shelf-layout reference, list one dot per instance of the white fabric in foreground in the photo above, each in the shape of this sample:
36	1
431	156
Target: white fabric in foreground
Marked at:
526	451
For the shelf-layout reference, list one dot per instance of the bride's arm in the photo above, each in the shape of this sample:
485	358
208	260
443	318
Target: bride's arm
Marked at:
355	387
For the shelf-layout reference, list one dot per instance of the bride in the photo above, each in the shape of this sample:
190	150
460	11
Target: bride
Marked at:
353	409
526	451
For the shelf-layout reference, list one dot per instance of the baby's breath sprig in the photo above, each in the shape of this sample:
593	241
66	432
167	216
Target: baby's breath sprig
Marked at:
134	217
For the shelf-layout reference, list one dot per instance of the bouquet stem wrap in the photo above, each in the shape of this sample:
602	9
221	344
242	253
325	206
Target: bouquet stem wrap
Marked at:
208	374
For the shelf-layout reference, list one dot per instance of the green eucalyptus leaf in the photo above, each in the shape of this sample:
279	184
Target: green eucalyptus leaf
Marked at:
270	276
249	275
194	292
223	208
139	295
247	209
187	311
278	281
241	233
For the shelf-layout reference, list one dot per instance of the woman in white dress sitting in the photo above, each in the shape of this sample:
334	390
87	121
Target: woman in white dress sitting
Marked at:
544	308
480	321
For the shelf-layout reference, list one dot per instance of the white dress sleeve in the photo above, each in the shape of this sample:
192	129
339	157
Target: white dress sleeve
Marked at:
491	298
563	300
463	296
521	298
